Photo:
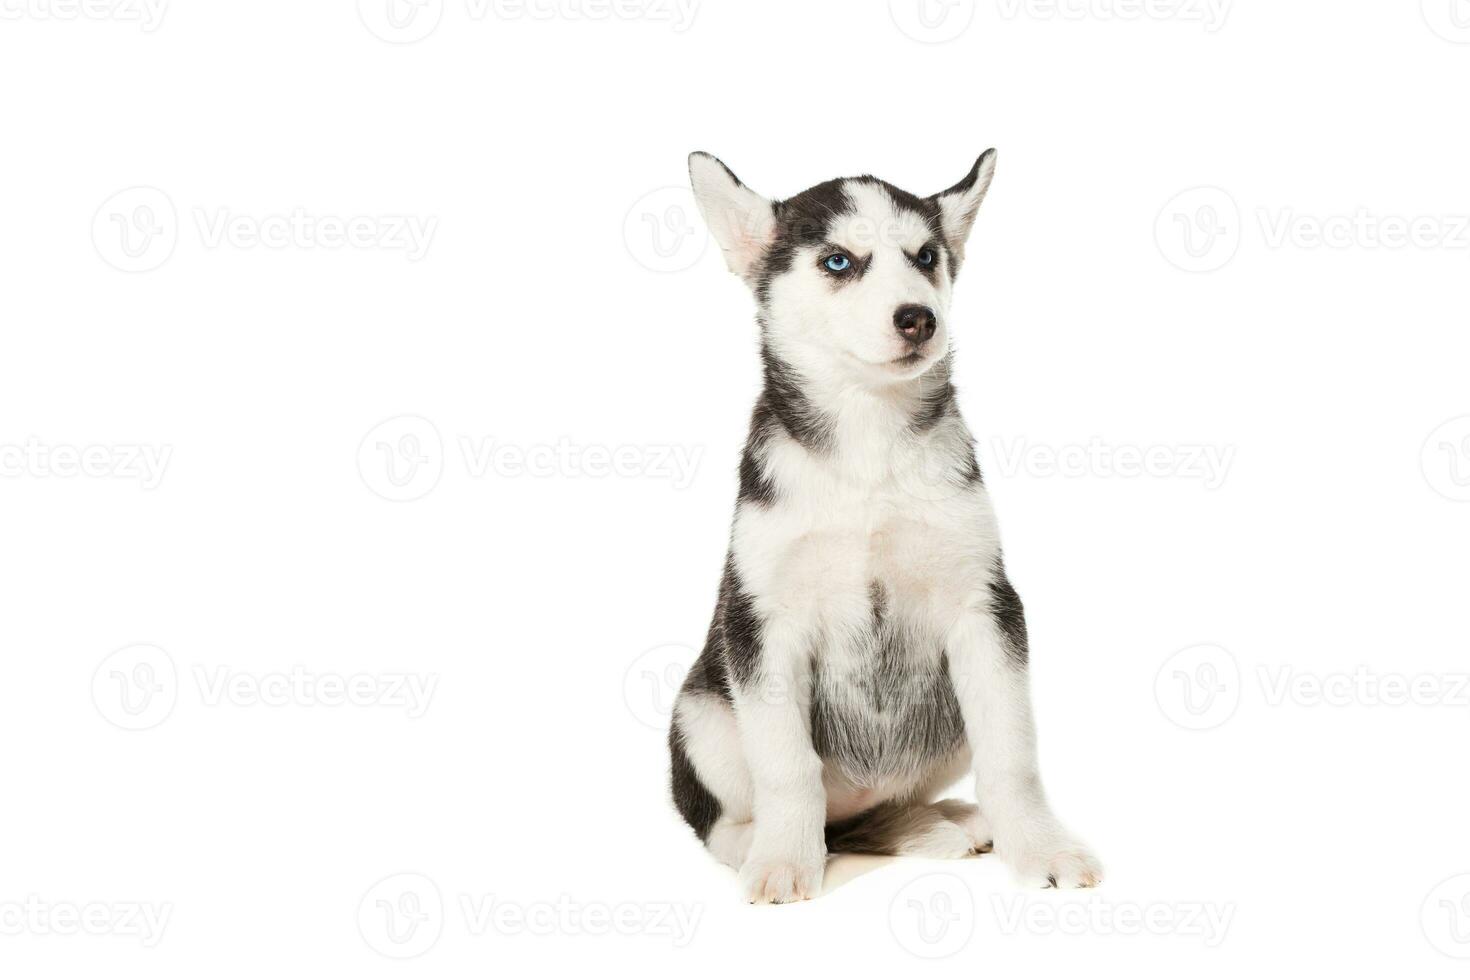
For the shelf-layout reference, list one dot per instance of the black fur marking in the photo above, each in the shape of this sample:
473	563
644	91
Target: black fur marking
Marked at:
801	221
885	828
1010	616
938	397
930	271
878	598
739	625
695	803
785	399
960	188
857	268
806	220
969	178
708	674
877	831
973	476
755	486
927	207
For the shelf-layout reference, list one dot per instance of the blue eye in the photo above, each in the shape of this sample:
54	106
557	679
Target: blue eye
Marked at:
925	257
838	263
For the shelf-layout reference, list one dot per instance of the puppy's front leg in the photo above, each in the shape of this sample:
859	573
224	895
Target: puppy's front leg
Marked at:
988	664
788	850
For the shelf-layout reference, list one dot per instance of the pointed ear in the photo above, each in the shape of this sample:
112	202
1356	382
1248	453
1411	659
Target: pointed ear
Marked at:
743	222
959	205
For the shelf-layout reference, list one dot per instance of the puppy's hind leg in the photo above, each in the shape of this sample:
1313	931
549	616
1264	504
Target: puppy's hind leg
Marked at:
711	782
946	829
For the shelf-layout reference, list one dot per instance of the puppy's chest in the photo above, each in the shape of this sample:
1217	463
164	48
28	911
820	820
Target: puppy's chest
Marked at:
874	584
882	702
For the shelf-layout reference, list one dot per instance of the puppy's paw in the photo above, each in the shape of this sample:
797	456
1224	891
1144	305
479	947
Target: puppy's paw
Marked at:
963	831
977	828
943	839
776	882
1057	863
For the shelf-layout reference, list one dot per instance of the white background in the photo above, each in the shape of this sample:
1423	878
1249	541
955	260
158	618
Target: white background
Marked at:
550	608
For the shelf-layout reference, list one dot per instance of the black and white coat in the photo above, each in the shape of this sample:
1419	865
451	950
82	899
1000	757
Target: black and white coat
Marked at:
867	649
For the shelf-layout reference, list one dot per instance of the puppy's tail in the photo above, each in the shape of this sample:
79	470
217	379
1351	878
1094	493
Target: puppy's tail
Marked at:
946	829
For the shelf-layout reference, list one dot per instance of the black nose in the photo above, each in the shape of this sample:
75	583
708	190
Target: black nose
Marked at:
916	323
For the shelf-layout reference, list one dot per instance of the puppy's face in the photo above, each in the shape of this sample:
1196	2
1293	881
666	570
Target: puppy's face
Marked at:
853	277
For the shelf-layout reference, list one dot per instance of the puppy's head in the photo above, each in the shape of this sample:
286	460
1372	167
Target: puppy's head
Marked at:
853	277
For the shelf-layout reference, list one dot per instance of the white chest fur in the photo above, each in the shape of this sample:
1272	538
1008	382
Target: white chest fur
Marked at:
870	566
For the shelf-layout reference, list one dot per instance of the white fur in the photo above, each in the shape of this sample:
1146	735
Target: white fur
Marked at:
739	218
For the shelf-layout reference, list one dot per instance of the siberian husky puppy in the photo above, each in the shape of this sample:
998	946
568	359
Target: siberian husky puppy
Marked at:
867	649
